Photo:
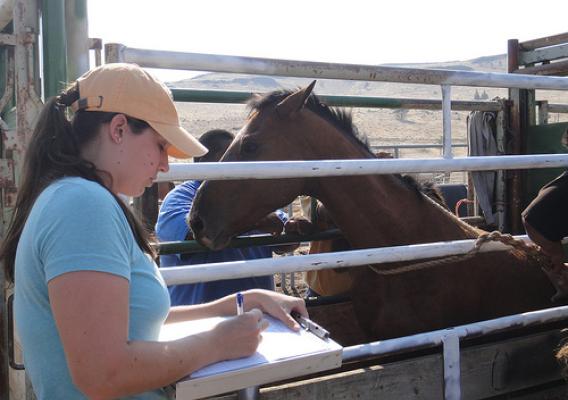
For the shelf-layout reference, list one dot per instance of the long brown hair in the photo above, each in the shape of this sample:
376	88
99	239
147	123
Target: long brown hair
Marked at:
54	152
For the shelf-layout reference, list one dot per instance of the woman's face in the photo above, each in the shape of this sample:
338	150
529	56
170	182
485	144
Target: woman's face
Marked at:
142	156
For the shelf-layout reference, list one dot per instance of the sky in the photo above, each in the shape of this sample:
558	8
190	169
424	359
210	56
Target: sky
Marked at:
354	31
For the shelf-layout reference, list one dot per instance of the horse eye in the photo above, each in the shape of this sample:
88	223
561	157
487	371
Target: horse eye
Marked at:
249	148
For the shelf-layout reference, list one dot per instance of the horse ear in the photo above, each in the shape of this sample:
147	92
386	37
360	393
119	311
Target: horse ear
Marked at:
256	96
295	101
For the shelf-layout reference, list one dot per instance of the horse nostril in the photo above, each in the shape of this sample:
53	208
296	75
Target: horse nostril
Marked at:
196	225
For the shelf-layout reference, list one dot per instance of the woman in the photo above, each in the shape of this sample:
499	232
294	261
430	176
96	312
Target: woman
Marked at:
89	301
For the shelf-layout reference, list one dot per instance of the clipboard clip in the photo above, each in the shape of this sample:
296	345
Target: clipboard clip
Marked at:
310	326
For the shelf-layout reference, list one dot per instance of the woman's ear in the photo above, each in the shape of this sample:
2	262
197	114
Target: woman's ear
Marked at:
117	127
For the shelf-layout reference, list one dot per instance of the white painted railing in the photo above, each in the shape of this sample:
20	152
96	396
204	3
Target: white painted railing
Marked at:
320	70
266	266
450	339
444	78
312	169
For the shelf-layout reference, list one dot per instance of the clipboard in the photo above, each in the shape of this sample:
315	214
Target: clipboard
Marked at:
282	354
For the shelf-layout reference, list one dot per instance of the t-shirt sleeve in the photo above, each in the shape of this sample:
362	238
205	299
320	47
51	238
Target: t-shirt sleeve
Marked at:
84	229
548	212
171	224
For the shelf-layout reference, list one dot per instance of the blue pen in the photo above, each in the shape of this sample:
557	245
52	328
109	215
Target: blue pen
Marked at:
240	303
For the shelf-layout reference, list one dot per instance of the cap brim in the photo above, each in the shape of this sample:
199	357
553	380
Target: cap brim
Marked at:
182	144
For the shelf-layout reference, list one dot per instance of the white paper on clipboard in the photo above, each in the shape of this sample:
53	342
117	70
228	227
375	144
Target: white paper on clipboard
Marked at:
282	354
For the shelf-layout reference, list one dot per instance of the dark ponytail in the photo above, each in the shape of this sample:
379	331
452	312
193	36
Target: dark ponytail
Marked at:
54	151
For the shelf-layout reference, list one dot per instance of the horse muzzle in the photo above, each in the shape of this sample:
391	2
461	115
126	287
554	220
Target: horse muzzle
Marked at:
204	237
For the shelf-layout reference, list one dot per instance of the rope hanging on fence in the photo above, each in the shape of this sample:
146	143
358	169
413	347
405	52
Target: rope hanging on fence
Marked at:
530	249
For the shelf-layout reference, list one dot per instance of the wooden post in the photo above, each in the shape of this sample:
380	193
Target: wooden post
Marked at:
543	112
514	178
4	380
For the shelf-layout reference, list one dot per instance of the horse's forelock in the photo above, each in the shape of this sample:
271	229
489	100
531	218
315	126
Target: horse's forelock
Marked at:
261	102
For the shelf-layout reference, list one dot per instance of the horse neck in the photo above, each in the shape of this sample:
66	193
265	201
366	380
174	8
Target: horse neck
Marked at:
381	210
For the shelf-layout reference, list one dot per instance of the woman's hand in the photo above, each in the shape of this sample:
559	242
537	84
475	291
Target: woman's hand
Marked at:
239	337
276	304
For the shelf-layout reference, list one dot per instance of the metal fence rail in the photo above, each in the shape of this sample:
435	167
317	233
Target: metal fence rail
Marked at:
319	70
450	340
306	69
343	259
227	96
312	169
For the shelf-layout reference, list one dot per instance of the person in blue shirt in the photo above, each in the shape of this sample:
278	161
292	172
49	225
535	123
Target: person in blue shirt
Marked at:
89	300
546	223
172	226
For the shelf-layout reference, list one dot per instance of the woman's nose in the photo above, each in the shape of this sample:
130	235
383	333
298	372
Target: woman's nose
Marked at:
164	162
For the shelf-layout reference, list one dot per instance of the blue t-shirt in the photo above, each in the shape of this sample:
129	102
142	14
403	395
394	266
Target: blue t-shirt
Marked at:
172	226
77	225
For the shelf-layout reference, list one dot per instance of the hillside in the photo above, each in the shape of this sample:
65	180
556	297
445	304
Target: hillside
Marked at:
383	126
227	81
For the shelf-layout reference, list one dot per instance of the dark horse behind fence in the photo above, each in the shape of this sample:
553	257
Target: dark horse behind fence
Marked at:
371	211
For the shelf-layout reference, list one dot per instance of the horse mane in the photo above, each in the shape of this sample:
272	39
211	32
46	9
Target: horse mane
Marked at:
343	121
428	188
338	117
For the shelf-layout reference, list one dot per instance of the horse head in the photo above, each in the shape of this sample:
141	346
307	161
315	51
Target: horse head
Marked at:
275	131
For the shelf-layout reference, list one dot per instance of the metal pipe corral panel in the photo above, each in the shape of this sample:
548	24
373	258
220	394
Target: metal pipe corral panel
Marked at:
320	70
77	34
54	47
311	169
228	96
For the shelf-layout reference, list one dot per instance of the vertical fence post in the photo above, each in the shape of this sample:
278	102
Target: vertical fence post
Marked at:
542	112
54	47
4	377
283	284
447	120
501	184
6	89
452	373
28	103
516	128
96	45
77	36
114	52
250	393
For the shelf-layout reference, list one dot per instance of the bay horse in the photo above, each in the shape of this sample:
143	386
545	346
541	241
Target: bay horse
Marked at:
371	211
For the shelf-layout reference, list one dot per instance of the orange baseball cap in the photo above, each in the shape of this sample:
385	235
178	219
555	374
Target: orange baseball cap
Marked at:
129	89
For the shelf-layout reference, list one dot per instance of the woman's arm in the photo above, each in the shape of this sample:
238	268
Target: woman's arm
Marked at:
553	249
275	304
91	313
558	274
